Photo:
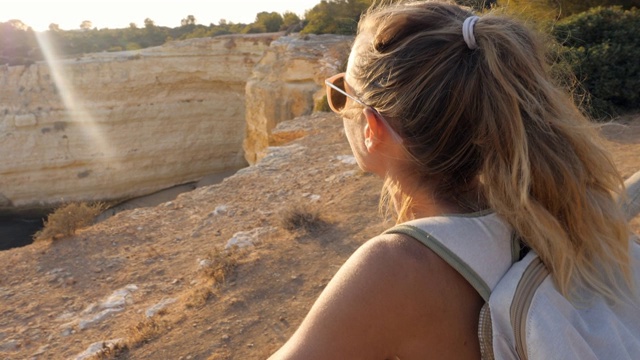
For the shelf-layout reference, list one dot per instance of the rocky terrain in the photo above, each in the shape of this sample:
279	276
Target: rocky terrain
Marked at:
100	284
157	283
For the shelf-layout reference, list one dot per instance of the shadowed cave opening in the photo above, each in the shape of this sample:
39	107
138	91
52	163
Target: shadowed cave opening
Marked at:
18	230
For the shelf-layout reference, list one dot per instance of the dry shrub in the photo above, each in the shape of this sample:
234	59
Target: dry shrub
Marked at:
198	296
223	354
65	220
110	351
302	216
219	264
144	331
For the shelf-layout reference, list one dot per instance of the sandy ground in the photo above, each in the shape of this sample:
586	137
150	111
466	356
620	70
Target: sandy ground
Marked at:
56	299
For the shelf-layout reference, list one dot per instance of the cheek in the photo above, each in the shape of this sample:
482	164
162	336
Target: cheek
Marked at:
353	129
355	137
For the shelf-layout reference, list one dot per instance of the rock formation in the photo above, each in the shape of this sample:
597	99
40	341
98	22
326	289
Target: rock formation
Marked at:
113	126
287	83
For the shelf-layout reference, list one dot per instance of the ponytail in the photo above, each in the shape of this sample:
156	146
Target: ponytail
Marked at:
544	170
489	116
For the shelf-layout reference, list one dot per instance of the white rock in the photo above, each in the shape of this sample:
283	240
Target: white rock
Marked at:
240	240
119	297
159	306
64	316
337	178
204	262
220	210
25	120
249	238
90	308
88	322
97	348
347	159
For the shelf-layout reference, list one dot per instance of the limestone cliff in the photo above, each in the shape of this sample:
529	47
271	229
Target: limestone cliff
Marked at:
287	82
117	125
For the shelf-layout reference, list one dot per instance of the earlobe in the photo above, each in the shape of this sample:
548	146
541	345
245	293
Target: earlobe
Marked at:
368	143
371	129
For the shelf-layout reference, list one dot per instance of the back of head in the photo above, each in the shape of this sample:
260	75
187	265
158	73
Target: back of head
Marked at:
487	114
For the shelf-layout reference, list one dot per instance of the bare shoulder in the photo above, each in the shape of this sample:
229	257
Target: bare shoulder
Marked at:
393	297
399	261
407	266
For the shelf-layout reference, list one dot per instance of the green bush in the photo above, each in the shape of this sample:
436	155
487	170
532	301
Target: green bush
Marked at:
335	17
322	105
602	49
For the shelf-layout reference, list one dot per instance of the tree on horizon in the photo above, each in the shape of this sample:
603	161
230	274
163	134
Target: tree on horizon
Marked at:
189	20
86	25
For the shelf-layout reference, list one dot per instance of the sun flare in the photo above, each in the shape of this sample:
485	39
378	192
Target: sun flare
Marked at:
73	103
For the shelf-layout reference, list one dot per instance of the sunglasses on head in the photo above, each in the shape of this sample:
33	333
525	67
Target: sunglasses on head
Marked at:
337	95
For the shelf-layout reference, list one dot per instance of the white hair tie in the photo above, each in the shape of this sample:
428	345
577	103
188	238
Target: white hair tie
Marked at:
467	31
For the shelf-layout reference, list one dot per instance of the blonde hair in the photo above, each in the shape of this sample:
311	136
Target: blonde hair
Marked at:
492	118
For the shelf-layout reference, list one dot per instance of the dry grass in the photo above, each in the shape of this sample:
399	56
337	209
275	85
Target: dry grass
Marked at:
215	271
222	354
67	219
137	335
144	331
198	296
302	217
218	265
110	351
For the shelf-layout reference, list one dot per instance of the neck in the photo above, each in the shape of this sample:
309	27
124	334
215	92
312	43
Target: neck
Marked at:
423	202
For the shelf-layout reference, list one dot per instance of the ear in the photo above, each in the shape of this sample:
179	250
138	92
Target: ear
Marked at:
373	130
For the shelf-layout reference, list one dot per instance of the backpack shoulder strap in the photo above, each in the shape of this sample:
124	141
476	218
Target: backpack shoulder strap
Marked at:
447	255
480	247
511	301
532	277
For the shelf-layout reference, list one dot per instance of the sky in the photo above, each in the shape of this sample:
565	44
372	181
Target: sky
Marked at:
116	14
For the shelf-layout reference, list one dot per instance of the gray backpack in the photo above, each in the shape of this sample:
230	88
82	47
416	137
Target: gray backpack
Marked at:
524	316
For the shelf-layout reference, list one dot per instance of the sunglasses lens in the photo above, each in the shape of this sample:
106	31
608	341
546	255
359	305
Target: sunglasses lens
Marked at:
336	99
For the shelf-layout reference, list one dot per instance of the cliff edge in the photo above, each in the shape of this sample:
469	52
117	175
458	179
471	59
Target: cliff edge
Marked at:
113	126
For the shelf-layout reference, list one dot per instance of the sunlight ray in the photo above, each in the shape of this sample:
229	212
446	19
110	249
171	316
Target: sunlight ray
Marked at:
73	104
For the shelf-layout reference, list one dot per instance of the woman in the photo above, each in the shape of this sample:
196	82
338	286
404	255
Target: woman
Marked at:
458	115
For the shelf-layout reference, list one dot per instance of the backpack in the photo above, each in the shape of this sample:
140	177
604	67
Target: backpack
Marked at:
524	316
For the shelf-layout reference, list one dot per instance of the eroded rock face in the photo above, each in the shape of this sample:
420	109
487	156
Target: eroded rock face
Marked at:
118	125
287	82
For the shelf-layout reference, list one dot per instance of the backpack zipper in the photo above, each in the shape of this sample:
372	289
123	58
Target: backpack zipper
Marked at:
533	276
